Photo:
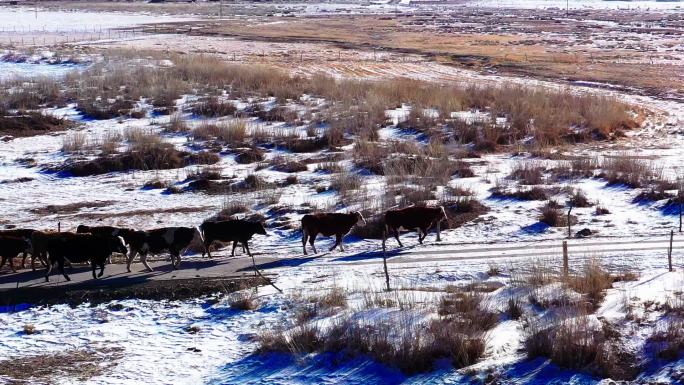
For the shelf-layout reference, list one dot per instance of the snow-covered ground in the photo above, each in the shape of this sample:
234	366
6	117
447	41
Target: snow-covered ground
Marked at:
23	19
205	341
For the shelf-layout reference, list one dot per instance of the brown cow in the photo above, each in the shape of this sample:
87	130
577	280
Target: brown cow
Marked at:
414	217
328	224
236	230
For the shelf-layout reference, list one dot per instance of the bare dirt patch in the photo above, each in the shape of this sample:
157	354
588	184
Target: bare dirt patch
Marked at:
70	208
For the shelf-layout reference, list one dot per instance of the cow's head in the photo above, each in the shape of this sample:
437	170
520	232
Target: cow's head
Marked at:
259	228
359	217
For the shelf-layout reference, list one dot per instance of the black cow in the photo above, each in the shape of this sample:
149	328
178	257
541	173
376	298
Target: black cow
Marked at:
24	234
175	240
237	230
124	233
10	247
328	224
78	248
107	230
414	217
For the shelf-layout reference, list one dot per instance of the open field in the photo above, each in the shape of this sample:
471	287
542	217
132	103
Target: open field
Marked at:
530	128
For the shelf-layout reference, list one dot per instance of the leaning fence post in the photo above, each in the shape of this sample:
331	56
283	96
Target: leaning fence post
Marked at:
669	251
59	227
384	262
565	258
569	223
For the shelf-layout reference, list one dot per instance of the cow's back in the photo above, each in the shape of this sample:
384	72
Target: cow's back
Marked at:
412	217
329	224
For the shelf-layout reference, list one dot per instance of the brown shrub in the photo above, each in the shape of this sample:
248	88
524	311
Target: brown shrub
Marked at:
533	194
160	156
233	132
345	182
575	343
528	173
578	199
30	123
668	339
592	281
627	171
283	165
249	155
101	109
244	301
213	107
278	114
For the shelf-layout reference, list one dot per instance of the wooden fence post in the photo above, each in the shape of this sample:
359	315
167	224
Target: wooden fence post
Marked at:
59	227
669	251
680	214
565	258
384	261
569	223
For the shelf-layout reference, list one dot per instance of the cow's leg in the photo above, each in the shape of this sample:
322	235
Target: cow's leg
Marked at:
143	259
305	236
312	239
60	265
48	271
396	235
42	257
178	258
439	230
102	266
232	252
4	259
207	245
342	242
338	239
11	263
422	233
94	266
131	256
23	260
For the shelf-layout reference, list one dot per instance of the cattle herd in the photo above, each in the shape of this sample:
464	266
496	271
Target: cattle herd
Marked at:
97	244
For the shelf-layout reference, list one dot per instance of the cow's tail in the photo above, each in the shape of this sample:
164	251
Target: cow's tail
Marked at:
200	233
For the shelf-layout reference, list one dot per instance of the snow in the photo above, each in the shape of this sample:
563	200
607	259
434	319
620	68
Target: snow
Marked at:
22	19
158	347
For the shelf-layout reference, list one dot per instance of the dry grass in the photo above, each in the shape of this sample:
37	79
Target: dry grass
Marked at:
109	143
78	364
244	301
74	141
345	182
528	173
525	194
554	217
628	171
233	132
592	282
668	339
407	341
108	89
575	342
579	199
212	107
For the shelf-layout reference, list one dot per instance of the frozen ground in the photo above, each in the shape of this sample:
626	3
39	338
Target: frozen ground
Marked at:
205	341
23	19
